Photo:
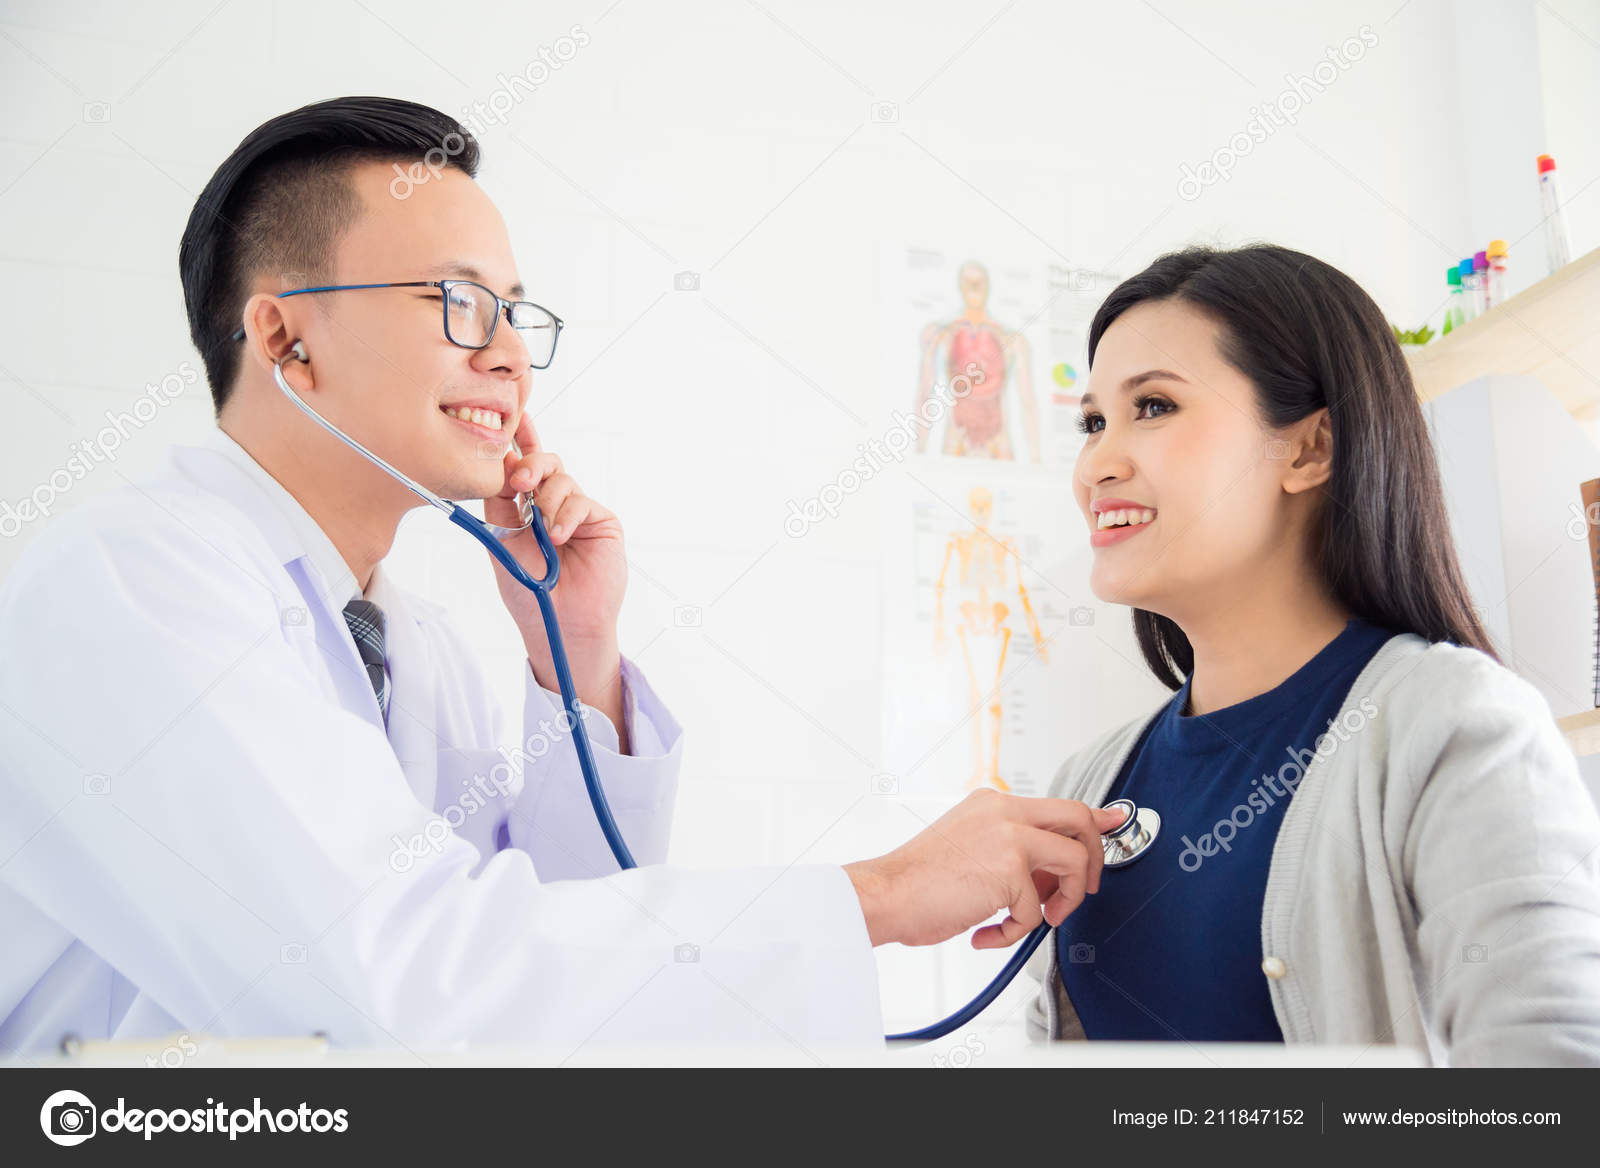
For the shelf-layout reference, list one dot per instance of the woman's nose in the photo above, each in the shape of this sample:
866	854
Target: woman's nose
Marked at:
1103	460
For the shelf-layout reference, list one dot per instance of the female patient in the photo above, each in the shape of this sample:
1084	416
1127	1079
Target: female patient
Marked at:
1372	830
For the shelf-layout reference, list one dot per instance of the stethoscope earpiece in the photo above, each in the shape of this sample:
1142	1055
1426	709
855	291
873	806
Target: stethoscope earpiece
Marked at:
298	351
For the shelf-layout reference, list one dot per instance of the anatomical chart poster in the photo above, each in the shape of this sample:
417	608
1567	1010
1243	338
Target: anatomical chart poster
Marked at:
988	623
999	353
987	615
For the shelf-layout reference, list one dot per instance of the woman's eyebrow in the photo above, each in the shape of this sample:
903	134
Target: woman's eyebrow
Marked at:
1137	380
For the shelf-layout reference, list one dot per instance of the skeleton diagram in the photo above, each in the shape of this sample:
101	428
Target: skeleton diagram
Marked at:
976	348
984	564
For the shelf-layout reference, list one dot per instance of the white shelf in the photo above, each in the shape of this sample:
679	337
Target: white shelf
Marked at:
1550	331
1582	731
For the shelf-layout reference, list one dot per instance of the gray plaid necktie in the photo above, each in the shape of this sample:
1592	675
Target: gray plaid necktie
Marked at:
366	626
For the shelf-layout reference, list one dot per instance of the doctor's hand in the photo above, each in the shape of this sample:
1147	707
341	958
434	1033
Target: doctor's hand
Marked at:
1036	857
594	573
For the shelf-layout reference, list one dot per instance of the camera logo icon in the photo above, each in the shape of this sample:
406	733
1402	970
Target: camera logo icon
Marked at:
961	1056
97	784
67	1118
292	954
884	112
885	784
1081	615
1583	518
1476	954
293	616
686	282
96	111
1277	448
686	616
685	953
1081	954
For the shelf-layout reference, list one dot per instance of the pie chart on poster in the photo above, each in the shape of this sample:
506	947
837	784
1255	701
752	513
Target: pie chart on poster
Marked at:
1065	375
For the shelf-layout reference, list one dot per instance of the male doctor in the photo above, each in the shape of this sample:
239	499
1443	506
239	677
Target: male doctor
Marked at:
252	788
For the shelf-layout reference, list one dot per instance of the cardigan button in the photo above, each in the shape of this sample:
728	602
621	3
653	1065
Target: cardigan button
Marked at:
1274	967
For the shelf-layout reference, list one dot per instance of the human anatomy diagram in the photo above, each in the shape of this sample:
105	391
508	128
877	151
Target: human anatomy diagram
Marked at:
992	364
984	569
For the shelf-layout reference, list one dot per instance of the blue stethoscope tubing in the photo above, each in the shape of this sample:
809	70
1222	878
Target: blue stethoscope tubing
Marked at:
597	796
540	587
558	654
485	534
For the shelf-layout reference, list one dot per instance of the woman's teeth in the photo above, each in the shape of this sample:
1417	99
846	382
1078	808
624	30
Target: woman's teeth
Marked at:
489	418
1120	518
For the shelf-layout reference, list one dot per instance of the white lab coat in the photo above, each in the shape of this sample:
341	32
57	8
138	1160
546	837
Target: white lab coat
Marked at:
207	828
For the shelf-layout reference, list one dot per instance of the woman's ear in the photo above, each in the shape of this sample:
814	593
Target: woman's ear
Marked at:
1310	461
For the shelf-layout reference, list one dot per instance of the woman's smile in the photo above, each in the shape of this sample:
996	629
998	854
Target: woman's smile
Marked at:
1115	520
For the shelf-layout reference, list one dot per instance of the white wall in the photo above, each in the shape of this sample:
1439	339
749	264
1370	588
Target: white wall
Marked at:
738	141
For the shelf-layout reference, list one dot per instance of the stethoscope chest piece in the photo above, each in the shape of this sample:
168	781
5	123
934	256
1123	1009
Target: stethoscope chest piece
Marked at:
1133	837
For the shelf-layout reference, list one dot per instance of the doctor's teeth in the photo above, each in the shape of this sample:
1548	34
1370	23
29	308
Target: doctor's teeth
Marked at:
490	418
1128	516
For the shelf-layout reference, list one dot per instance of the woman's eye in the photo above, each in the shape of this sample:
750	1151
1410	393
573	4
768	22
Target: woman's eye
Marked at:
1093	423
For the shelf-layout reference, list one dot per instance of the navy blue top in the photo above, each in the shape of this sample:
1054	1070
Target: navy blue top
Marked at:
1170	947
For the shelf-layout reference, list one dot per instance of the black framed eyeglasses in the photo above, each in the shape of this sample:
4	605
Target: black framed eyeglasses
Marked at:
471	314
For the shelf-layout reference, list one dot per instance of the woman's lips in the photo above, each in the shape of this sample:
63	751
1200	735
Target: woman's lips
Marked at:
1110	535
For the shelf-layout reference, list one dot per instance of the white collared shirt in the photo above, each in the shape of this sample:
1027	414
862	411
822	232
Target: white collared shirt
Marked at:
210	828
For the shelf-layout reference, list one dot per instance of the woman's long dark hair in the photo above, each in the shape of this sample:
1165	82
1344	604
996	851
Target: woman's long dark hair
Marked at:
1307	336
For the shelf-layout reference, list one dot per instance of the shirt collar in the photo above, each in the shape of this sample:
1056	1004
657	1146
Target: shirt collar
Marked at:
292	531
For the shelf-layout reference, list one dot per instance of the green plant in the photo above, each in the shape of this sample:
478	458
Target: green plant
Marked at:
1420	336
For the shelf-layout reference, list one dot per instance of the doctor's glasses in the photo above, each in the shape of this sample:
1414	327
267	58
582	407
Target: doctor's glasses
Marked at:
471	313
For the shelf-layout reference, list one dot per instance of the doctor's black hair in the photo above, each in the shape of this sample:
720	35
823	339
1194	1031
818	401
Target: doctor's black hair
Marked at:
1307	336
282	199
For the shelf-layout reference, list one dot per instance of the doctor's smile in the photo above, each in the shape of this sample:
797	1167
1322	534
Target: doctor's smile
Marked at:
433	812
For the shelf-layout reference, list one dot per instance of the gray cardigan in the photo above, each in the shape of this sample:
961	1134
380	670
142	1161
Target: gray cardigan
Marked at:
1436	878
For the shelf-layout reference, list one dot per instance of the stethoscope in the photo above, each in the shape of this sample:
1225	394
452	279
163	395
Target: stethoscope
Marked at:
1124	844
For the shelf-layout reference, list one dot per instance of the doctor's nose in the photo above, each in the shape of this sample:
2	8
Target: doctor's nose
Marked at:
506	354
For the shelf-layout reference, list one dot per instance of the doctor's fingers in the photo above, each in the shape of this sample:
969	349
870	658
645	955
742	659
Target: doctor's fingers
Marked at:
565	507
576	510
1055	884
1072	819
527	472
527	438
1063	859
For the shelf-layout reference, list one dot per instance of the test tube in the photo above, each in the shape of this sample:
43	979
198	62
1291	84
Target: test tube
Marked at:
1469	289
1454	316
1497	271
1556	248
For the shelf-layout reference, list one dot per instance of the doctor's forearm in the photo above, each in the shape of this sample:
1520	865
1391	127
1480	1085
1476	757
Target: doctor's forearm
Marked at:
596	675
